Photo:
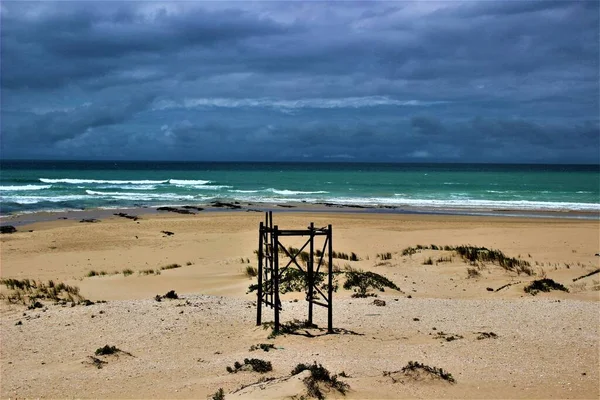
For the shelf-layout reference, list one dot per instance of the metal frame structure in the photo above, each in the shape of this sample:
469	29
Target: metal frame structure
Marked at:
270	273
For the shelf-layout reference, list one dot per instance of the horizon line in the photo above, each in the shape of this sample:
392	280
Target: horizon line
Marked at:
297	162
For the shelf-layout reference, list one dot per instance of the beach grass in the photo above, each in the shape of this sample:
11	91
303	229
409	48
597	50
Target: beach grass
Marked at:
29	291
170	266
319	375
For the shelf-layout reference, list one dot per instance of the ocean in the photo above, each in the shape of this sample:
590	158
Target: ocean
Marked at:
30	186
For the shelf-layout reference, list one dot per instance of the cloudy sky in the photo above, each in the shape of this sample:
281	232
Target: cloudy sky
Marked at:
423	81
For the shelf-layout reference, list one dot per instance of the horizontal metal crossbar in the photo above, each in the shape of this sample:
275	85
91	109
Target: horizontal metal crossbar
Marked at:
268	303
320	304
297	232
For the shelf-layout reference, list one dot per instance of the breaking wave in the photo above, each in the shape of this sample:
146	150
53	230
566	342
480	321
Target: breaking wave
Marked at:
25	187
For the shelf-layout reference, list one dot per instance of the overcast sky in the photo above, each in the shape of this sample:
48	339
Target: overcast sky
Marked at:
425	81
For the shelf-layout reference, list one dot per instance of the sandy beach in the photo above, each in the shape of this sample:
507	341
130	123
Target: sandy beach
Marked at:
543	346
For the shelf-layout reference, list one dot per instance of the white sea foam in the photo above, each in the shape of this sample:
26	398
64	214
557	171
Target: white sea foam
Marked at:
127	187
41	199
204	187
187	182
286	192
114	182
471	204
142	196
25	187
243	191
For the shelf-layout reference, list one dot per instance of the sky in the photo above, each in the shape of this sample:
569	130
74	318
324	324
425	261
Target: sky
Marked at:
415	81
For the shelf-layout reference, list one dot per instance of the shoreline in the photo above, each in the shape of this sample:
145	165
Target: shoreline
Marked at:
25	218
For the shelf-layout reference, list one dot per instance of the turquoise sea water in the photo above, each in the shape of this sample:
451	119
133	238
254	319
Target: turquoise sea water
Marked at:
27	186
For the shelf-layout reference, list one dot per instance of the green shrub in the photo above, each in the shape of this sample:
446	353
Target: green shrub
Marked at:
256	364
362	281
219	395
107	350
319	375
543	285
262	346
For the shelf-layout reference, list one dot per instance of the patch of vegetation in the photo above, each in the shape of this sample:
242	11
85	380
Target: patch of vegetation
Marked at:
170	266
543	285
448	337
107	350
169	295
340	255
149	272
256	364
443	259
127	272
385	256
29	291
487	335
304	256
415	369
219	395
319	375
473	273
482	254
262	346
362	281
475	254
294	280
251	271
409	251
428	261
190	263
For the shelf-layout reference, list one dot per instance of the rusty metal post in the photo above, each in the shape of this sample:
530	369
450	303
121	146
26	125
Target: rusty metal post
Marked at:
330	283
260	276
311	279
271	250
275	276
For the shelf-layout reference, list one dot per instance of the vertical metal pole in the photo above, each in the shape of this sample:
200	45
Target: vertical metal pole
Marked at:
273	250
311	275
276	277
330	283
260	275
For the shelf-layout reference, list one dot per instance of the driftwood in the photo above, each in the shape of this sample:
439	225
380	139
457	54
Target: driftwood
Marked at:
507	285
586	275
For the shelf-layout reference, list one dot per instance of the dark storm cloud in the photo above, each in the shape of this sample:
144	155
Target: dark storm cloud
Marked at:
399	81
